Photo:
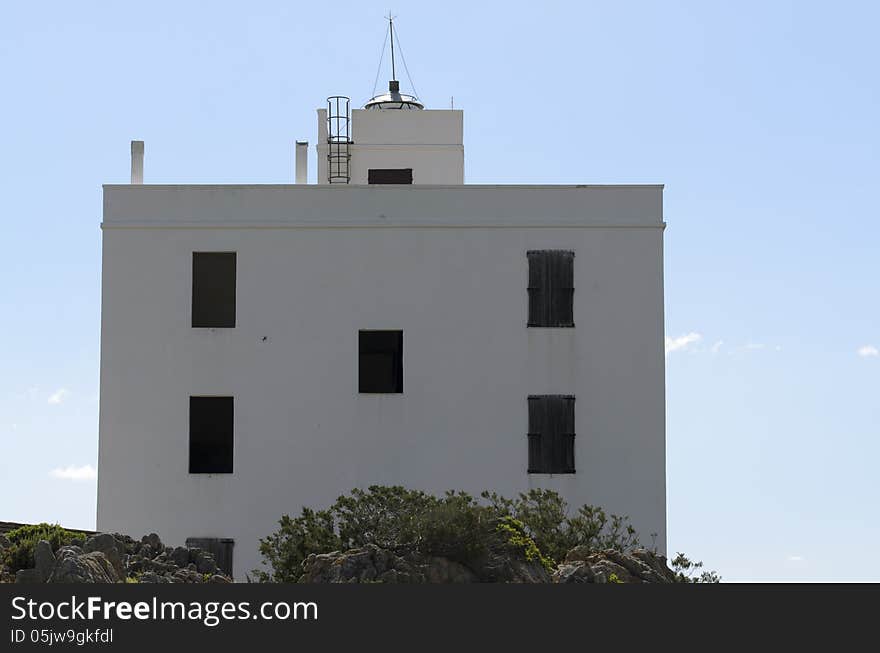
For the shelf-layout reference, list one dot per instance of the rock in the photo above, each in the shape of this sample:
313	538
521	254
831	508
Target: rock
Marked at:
443	570
28	576
67	551
153	540
106	544
657	563
575	572
180	556
511	566
638	566
187	576
44	559
91	567
578	553
205	564
217	578
363	565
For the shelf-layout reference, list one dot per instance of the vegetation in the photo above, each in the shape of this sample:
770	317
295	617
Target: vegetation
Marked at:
22	541
455	525
687	571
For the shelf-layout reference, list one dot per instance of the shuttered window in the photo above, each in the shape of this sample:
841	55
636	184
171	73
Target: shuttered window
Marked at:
551	434
210	435
551	288
380	362
220	548
213	289
389	176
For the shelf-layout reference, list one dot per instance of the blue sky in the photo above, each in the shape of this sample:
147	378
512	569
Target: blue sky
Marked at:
760	117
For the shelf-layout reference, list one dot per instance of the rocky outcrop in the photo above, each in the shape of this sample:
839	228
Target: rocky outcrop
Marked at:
92	567
371	564
114	558
611	566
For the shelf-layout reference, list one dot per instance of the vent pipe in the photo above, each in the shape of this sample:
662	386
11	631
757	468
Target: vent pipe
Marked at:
302	162
137	162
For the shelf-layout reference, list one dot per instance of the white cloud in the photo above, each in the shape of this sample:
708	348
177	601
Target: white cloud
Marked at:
71	473
868	350
717	346
58	396
796	558
681	342
753	346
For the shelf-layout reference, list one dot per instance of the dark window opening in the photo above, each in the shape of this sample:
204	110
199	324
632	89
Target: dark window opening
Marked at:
220	548
213	289
380	361
389	176
551	288
210	435
551	434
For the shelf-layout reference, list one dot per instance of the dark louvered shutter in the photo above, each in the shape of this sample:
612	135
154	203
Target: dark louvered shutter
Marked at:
551	288
537	424
220	548
551	434
564	446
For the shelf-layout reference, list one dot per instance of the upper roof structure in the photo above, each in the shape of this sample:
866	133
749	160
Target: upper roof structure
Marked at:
393	99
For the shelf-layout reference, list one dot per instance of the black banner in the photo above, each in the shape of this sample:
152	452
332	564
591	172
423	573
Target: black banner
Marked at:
414	617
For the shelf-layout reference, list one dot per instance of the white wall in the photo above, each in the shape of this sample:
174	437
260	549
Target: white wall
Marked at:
428	141
457	288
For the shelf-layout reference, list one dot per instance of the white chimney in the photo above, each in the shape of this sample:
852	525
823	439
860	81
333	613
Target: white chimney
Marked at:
302	162
137	162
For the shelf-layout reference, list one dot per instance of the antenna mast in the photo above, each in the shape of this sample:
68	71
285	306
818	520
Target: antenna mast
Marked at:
391	28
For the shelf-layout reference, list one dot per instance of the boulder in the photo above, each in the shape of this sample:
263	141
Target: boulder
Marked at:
511	566
639	566
180	556
44	559
28	576
91	567
107	544
217	578
443	570
205	564
153	540
369	564
574	572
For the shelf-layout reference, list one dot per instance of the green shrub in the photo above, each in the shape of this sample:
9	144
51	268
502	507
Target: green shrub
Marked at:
516	536
544	513
22	541
455	526
687	571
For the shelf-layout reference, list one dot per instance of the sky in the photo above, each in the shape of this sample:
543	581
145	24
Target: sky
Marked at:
761	118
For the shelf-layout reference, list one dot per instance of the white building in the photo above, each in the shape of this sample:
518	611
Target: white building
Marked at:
268	347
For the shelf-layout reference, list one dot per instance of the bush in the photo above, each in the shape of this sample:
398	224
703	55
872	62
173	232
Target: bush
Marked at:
455	526
545	516
22	541
687	571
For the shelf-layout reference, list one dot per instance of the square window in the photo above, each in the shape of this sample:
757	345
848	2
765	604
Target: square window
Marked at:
213	289
210	435
380	362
